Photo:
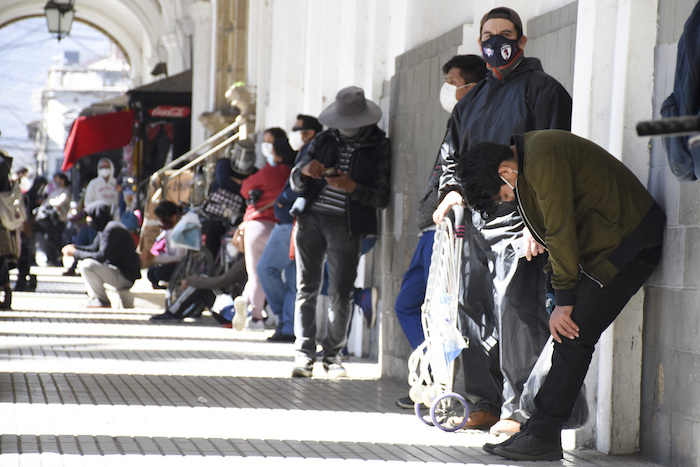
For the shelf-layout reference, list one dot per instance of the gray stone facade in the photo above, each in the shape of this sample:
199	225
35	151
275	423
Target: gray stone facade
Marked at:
670	415
417	127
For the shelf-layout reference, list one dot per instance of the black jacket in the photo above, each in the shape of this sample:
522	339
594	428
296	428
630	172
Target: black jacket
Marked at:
113	245
369	168
527	99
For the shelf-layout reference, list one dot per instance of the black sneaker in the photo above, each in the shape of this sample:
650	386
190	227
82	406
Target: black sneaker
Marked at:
405	403
164	316
303	368
528	447
491	447
279	336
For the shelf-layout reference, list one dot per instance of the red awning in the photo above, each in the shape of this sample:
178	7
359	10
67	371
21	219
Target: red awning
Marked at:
90	135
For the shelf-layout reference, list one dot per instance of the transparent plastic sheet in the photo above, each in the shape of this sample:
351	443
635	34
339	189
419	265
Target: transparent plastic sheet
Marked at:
579	416
187	233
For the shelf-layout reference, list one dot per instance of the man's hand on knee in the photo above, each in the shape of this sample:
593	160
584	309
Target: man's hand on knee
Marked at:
561	324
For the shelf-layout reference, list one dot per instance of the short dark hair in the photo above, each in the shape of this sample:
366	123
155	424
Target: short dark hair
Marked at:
477	174
472	68
310	123
276	132
166	209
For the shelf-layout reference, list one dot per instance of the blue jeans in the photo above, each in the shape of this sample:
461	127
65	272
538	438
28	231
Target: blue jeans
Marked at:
280	291
412	293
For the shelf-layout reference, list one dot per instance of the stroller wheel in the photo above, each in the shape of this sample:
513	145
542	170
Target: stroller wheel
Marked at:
31	283
449	412
423	413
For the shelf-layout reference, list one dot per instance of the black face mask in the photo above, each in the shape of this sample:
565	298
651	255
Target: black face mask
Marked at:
500	52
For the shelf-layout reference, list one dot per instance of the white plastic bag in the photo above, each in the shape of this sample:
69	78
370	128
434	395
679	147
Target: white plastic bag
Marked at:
221	301
579	415
187	233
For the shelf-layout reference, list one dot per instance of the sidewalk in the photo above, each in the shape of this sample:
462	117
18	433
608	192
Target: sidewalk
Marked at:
109	388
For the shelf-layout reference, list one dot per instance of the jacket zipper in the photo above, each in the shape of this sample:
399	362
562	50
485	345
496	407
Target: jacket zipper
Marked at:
539	239
527	221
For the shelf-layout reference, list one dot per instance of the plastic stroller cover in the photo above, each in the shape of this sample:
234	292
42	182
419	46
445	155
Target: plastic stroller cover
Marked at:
502	303
579	415
187	233
440	309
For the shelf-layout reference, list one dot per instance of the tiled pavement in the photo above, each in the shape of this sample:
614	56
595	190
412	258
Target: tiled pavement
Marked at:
107	387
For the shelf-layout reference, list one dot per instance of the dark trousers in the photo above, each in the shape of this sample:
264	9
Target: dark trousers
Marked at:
503	315
161	272
318	237
594	310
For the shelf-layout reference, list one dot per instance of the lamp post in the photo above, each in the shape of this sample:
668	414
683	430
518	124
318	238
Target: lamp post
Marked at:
59	17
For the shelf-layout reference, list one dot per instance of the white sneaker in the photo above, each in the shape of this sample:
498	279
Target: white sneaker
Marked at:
272	320
241	306
334	368
251	325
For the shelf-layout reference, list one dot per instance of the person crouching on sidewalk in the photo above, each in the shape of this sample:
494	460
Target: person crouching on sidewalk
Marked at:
110	259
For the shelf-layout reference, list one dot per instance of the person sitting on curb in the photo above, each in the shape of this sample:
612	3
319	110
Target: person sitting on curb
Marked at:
110	259
163	257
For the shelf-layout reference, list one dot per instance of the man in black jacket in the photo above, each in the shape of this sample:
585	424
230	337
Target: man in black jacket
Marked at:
503	292
344	179
462	73
111	259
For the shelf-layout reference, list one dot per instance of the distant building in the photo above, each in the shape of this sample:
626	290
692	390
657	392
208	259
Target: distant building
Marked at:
72	86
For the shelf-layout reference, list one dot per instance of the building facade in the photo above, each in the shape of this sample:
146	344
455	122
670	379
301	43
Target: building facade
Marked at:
615	57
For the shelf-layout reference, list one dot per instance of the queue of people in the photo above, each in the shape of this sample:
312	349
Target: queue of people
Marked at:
507	155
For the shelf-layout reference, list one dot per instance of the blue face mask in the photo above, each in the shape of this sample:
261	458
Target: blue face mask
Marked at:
500	52
271	160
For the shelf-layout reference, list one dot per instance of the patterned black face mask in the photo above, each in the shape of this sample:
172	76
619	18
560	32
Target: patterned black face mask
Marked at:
499	52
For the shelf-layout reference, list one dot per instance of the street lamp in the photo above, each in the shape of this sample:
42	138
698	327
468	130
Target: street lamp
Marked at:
59	17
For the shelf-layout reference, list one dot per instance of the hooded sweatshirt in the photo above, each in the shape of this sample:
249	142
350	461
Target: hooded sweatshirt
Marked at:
113	245
100	189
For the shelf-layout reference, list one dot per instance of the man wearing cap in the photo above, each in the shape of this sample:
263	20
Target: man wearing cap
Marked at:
503	292
304	130
344	177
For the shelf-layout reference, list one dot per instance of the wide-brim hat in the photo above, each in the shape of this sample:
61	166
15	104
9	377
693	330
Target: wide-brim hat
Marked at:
350	110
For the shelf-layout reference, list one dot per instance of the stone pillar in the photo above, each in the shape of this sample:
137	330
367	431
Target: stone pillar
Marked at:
613	83
230	48
202	14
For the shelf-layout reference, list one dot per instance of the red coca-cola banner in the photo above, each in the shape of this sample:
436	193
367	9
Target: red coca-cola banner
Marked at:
169	111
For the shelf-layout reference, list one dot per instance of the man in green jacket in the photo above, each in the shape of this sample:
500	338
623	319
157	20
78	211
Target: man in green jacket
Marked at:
603	232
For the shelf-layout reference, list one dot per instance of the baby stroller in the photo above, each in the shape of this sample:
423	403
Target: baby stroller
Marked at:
433	364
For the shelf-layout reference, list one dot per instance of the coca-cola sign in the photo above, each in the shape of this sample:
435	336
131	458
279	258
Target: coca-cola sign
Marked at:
169	111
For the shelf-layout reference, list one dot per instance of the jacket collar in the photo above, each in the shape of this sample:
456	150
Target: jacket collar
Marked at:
519	142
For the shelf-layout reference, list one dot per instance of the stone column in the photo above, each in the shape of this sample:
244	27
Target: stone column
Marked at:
613	84
202	12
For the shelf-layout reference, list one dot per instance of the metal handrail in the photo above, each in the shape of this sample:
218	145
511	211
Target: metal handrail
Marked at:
195	149
205	155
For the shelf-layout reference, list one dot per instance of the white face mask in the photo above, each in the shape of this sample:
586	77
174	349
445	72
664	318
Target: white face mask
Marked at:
295	140
448	95
349	132
266	149
105	172
507	182
271	160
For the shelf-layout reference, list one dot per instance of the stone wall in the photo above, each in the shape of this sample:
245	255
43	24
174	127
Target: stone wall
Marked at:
417	125
670	415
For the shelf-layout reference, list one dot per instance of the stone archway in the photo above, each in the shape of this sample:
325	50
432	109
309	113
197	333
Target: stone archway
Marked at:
147	31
